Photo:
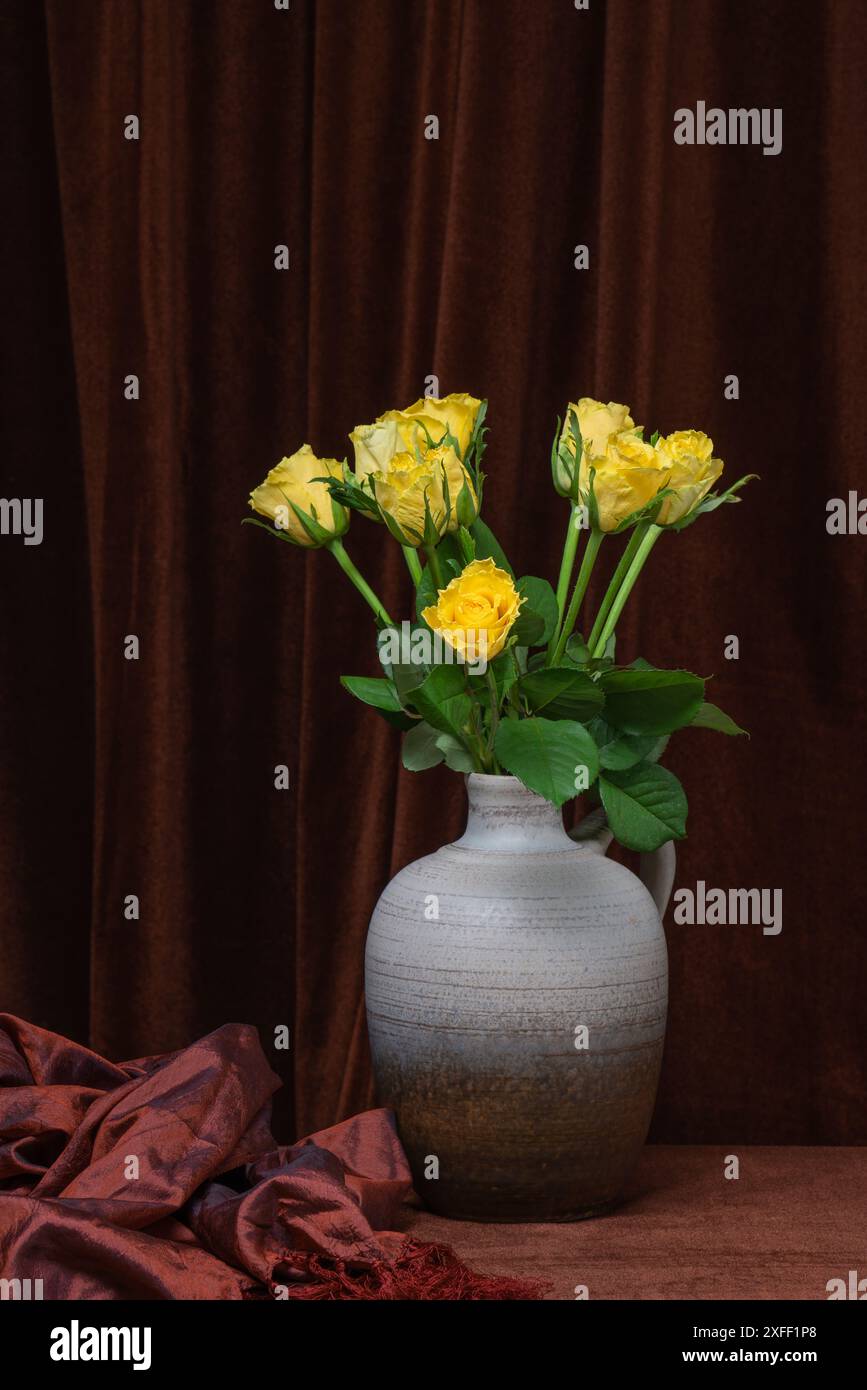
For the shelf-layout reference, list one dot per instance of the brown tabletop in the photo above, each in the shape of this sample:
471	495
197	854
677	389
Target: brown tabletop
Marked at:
794	1219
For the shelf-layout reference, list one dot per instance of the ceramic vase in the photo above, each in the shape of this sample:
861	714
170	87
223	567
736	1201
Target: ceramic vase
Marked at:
516	985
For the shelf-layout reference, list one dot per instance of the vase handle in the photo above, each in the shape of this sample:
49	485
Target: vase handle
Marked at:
656	869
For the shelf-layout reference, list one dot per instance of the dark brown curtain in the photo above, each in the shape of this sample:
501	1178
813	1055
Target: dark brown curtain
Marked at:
410	257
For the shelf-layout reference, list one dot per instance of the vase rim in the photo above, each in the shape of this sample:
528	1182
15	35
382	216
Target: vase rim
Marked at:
497	777
504	782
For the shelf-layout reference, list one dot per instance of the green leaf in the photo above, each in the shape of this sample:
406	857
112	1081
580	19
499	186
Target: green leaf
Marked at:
577	653
540	600
420	748
575	430
658	749
373	690
442	700
457	757
647	512
487	545
425	593
651	702
557	475
449	551
348	492
476	450
405	675
711	502
561	692
431	532
645	806
382	696
577	650
529	628
618	751
411	536
547	755
467	545
263	526
710	717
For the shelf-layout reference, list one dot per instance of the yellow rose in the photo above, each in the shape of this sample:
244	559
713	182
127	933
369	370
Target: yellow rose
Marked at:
290	484
403	460
399	430
456	412
597	423
376	445
401	491
476	611
628	475
693	472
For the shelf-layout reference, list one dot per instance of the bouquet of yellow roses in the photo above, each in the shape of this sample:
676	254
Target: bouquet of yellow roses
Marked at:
491	675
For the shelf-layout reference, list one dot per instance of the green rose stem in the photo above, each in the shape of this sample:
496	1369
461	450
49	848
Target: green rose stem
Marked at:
570	545
513	698
413	563
434	562
361	584
495	712
648	541
479	752
594	541
626	559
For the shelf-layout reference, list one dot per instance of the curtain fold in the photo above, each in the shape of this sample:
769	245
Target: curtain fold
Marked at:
408	258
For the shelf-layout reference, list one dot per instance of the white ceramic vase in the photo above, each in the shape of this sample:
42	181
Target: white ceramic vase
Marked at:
517	985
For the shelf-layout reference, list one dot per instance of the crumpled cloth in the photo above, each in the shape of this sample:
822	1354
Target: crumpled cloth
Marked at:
160	1179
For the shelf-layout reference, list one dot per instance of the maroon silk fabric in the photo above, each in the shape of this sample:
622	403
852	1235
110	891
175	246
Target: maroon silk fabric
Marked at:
217	1210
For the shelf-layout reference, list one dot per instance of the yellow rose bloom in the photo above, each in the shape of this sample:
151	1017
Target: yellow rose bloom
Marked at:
456	412
693	472
376	445
628	475
399	430
402	465
597	423
291	482
402	489
476	611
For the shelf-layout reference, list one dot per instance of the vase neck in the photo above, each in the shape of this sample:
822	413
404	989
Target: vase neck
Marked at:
507	818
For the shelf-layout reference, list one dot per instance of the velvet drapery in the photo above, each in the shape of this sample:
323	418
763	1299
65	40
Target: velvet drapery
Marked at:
410	257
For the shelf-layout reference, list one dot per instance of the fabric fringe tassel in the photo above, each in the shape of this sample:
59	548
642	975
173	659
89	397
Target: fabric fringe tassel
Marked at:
420	1271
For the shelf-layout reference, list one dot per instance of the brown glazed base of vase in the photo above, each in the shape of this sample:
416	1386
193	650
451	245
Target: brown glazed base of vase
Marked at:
557	1144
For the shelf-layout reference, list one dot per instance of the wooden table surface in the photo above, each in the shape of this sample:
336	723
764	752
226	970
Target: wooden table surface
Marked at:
794	1219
